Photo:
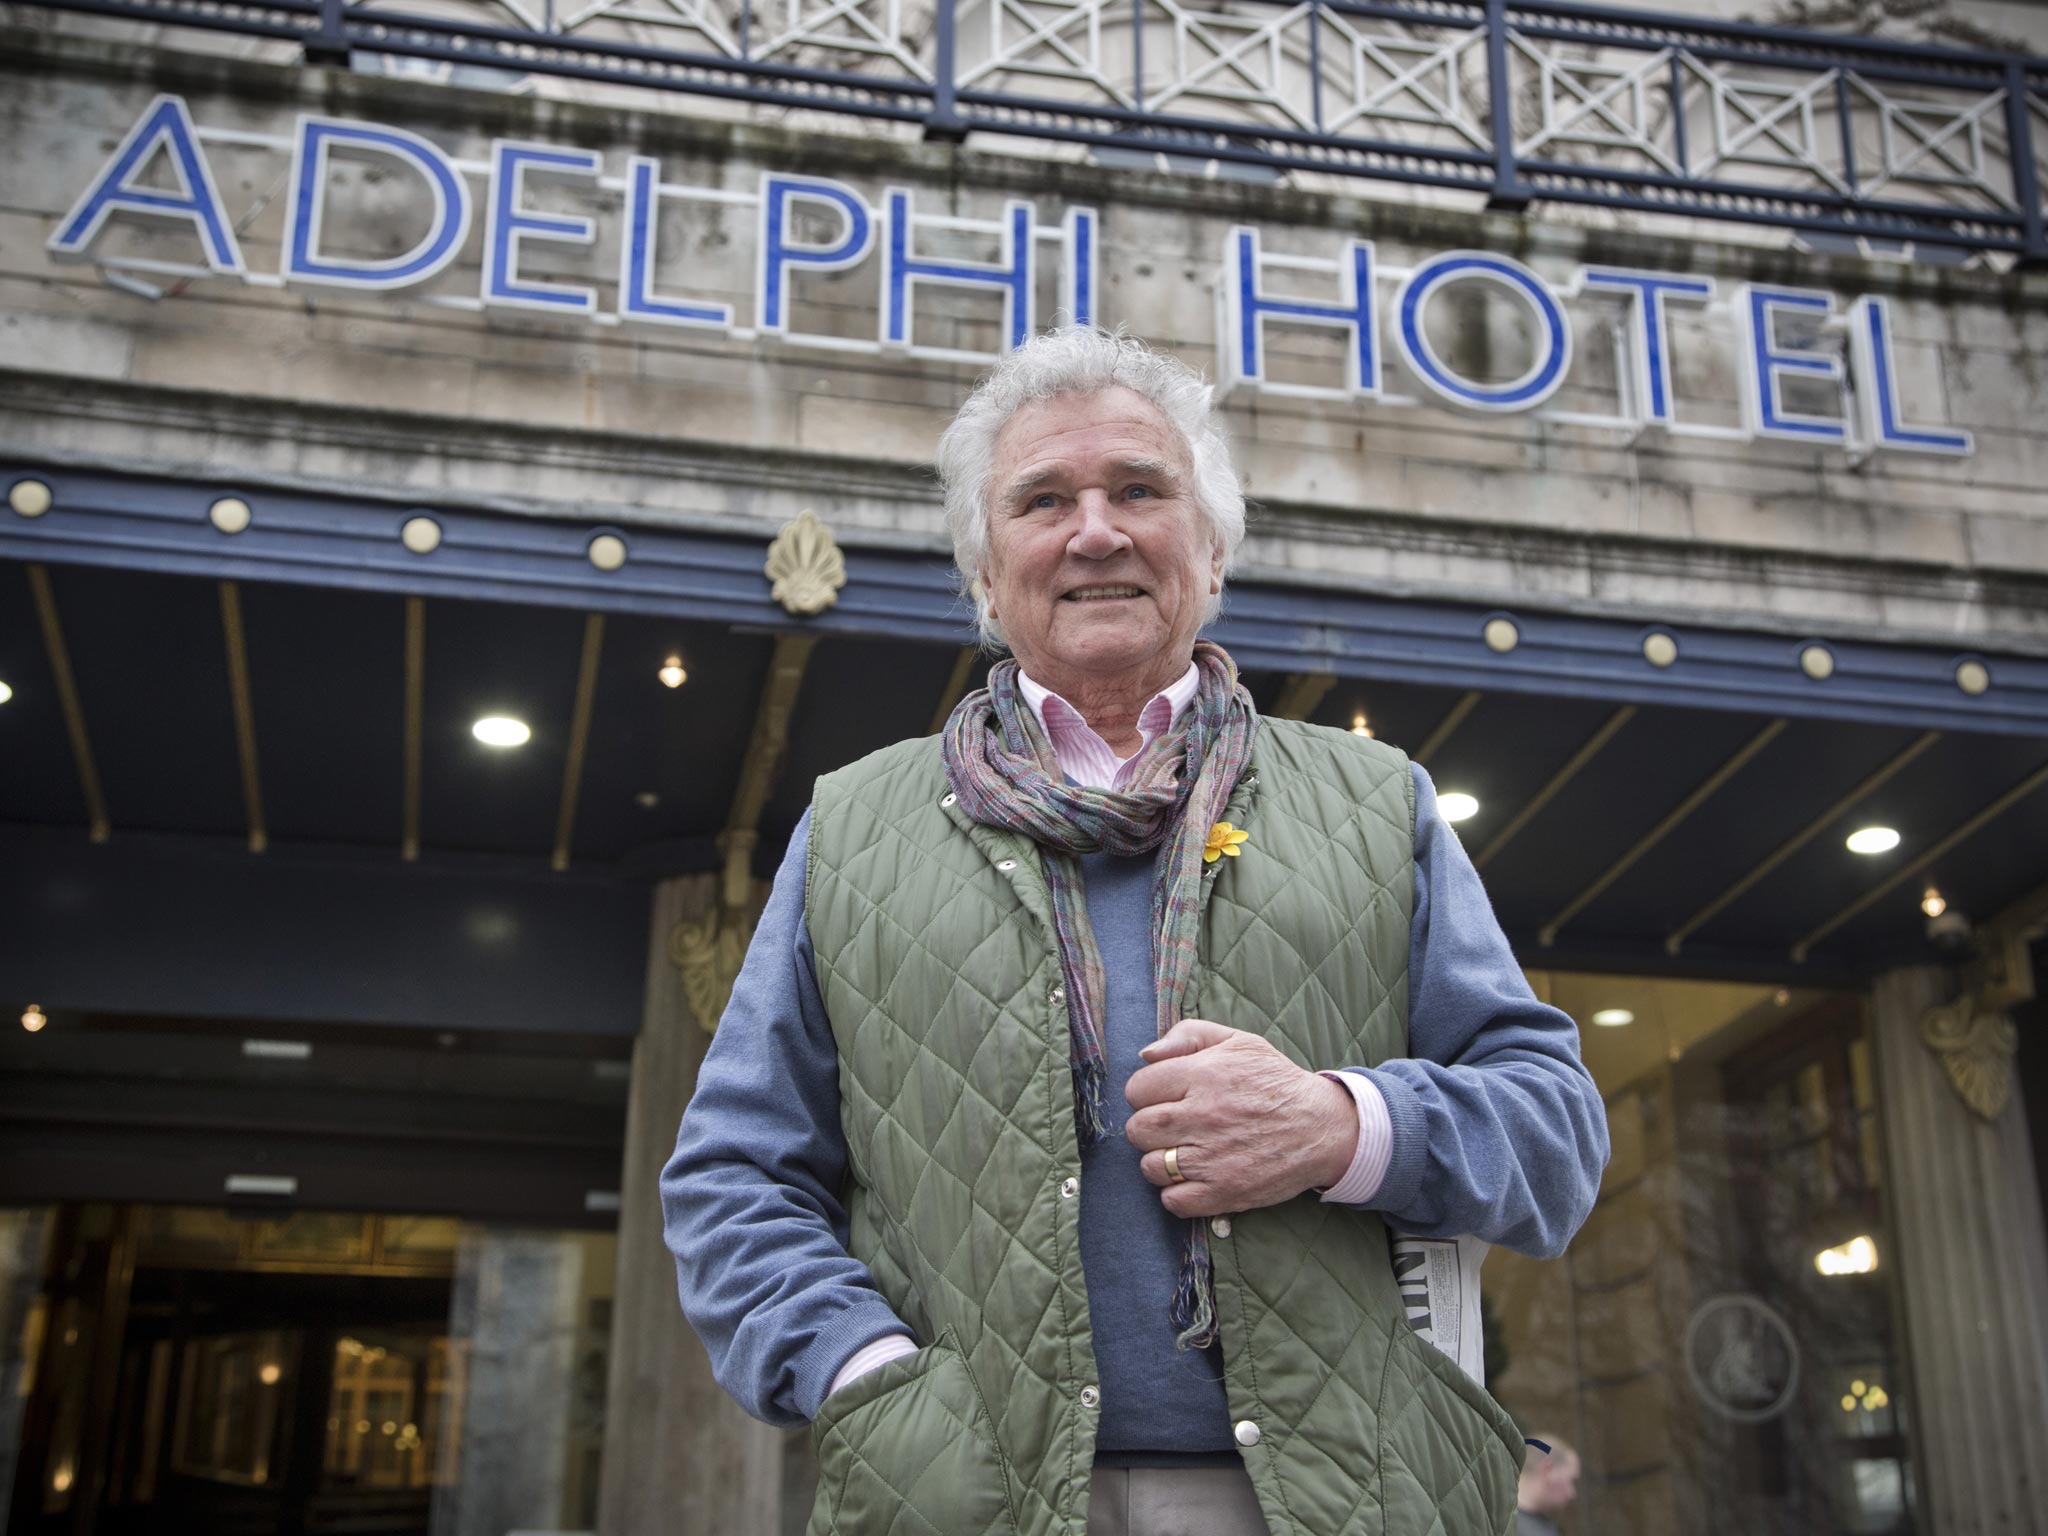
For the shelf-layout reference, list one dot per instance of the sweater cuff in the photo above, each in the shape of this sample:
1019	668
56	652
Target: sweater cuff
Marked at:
1408	1152
1361	1181
817	1368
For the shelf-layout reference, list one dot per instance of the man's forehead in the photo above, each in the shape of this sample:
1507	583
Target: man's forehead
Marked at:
1118	422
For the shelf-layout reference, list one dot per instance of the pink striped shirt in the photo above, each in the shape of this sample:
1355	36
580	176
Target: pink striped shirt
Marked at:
1087	759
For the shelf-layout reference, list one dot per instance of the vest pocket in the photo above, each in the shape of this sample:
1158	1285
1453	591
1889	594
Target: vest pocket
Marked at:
1472	1489
908	1449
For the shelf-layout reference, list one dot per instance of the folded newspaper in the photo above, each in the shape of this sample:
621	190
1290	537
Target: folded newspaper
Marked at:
1439	1281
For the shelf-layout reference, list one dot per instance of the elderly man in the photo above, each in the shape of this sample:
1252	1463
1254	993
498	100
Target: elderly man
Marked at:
1084	1054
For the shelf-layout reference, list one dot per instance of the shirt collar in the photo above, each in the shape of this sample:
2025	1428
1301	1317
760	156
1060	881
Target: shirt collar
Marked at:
1056	717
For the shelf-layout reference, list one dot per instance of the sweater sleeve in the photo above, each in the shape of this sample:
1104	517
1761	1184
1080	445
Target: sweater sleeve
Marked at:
1498	1130
750	1199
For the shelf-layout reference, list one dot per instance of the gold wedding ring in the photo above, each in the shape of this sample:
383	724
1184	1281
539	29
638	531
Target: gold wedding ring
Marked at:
1173	1166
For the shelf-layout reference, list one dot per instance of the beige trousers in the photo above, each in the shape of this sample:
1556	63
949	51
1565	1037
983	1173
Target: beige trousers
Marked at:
1194	1501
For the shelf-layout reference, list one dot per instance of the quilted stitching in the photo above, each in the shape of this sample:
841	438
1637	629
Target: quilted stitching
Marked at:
937	969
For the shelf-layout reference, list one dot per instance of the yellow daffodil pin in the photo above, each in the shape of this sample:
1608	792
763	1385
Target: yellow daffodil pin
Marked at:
1224	839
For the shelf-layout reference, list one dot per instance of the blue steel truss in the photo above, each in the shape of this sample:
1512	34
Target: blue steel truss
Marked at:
1525	102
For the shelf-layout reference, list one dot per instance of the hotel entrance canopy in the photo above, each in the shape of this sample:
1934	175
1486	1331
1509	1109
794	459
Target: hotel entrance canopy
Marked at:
235	722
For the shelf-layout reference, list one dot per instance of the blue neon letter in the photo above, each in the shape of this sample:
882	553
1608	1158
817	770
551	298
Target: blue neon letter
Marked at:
1877	387
778	255
1011	273
307	204
1649	331
509	224
637	299
1756	309
1245	310
1553	351
165	125
1080	247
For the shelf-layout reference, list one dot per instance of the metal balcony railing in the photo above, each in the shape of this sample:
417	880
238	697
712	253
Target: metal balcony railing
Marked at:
1520	101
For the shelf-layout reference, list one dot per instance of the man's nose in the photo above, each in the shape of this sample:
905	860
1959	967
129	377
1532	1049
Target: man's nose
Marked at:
1097	534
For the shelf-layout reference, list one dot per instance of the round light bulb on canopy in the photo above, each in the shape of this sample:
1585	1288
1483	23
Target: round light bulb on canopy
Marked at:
1457	806
502	731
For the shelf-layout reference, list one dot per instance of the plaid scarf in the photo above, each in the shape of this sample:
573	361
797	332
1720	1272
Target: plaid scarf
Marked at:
1000	764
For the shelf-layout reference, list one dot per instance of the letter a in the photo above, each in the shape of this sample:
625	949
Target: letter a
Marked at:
167	125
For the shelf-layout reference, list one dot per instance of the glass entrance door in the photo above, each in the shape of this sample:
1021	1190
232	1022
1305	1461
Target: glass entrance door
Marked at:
313	1374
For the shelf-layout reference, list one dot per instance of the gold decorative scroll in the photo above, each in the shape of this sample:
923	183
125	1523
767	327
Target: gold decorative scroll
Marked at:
1976	1047
708	953
805	566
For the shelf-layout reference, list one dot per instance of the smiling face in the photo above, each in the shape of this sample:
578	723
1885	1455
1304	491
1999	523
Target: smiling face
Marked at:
1100	569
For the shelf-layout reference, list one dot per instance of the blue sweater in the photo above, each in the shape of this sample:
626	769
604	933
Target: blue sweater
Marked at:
1498	1132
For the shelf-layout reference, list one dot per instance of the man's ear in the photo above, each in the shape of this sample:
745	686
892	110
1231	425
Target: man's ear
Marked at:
988	592
1216	559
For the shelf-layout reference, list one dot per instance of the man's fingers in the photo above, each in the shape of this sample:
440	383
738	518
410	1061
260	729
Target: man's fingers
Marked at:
1185	1038
1192	1200
1157	1128
1161	1083
1188	1159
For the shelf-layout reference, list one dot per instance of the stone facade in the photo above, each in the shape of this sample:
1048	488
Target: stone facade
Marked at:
424	394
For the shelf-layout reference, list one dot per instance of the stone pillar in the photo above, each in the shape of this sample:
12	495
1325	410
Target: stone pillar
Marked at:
1972	1278
678	1455
514	1309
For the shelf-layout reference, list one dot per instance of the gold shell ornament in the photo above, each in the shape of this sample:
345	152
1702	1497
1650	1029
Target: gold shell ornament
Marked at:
1976	1049
805	566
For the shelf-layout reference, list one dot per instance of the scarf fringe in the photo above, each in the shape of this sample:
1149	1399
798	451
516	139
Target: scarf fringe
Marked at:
1007	775
1091	1125
1194	1298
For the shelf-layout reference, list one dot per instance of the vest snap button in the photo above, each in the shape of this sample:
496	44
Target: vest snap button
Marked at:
1006	865
1090	1397
1068	1188
1059	994
1246	1433
950	801
1220	1226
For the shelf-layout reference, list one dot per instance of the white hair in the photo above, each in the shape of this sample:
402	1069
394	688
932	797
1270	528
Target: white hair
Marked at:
1080	360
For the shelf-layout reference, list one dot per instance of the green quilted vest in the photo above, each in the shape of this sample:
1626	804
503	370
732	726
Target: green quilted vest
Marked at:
935	956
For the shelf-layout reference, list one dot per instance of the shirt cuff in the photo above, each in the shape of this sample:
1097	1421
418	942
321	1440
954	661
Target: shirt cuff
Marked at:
868	1357
1368	1170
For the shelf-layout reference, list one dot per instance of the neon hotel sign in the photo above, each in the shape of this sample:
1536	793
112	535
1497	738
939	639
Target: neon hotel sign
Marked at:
1864	383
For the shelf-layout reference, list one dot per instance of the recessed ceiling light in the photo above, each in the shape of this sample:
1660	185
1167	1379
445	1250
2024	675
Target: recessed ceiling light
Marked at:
501	731
33	1018
1457	806
1612	1018
1873	840
672	674
647	799
1359	727
6	693
1933	903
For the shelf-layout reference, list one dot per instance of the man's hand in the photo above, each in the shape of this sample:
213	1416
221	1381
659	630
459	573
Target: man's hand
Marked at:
1253	1129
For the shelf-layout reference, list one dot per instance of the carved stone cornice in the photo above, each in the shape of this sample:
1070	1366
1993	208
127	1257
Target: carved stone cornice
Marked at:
708	952
1976	1047
1974	1036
